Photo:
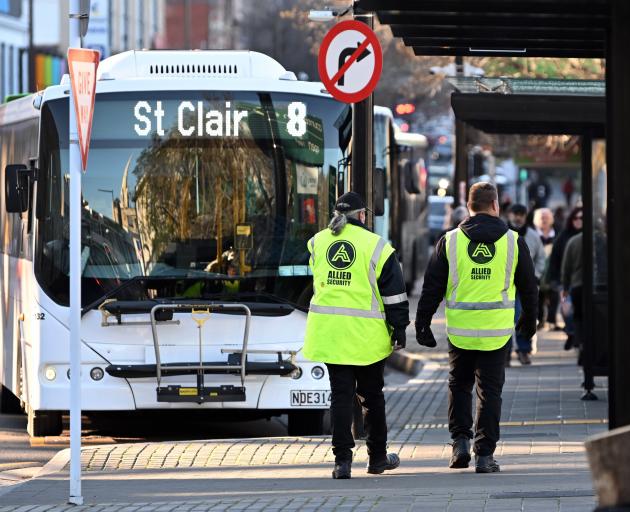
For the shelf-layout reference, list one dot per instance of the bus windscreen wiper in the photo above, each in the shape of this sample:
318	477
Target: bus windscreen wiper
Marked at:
114	291
157	277
255	295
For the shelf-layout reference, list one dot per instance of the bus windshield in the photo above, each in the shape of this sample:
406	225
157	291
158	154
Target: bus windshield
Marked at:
222	189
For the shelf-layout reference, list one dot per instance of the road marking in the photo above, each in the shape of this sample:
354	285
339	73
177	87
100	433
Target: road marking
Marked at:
65	442
524	423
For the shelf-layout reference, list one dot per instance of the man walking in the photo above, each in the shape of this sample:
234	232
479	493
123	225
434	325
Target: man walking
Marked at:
358	311
517	221
478	268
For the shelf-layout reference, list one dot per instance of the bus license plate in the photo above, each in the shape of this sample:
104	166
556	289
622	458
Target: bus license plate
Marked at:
310	398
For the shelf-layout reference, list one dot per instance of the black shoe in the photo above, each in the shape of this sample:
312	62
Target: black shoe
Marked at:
523	358
461	453
391	461
342	470
486	464
568	344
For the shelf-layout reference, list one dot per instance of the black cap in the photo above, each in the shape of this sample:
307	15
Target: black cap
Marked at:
350	201
518	209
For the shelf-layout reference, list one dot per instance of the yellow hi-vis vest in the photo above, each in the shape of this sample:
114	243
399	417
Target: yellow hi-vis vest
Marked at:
346	319
480	294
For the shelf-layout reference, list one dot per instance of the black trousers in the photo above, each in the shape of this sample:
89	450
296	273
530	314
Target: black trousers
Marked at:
367	382
551	298
486	370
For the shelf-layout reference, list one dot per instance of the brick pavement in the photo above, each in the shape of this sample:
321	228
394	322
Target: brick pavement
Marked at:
541	453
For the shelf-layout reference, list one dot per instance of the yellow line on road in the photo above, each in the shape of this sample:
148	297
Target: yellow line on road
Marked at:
65	442
535	423
524	423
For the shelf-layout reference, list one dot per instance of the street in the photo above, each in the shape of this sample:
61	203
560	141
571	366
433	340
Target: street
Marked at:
541	453
22	457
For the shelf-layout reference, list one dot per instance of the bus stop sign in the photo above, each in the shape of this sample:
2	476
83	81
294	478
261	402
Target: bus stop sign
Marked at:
82	64
350	61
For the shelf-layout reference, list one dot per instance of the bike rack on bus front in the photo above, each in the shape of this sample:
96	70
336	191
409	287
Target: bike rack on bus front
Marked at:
201	394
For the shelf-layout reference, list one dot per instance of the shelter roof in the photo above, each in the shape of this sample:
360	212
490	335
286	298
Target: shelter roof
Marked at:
523	28
513	105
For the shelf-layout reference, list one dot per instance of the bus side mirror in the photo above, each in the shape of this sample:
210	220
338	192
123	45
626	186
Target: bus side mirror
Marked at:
16	185
341	184
379	186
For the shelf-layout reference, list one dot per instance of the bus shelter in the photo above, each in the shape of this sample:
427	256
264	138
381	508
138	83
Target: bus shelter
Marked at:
553	107
548	28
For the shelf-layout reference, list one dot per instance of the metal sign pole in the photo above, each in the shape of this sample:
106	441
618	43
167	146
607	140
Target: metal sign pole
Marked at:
362	172
76	497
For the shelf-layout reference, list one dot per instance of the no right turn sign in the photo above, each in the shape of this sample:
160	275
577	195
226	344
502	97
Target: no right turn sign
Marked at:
350	61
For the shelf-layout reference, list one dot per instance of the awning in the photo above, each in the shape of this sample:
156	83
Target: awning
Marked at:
522	28
529	106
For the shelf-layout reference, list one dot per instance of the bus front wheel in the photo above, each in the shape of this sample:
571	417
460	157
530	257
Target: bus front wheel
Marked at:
44	423
306	423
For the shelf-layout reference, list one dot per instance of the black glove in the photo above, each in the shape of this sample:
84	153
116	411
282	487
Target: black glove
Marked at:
399	339
526	327
424	336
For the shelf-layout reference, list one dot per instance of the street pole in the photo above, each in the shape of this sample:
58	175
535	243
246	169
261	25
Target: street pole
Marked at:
362	141
460	179
618	159
74	41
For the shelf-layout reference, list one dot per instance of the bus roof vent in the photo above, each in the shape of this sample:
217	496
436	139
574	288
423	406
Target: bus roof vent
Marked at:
190	64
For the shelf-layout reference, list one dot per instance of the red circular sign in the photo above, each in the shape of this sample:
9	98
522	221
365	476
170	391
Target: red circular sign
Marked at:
348	56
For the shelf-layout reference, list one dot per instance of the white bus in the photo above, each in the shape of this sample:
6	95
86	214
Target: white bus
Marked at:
208	172
402	158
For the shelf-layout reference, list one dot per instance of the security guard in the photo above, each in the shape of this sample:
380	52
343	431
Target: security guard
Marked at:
478	268
359	310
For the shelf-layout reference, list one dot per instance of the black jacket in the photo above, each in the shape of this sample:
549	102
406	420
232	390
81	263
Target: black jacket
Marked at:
480	228
557	252
391	282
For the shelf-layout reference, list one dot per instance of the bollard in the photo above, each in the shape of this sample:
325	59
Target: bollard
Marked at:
609	457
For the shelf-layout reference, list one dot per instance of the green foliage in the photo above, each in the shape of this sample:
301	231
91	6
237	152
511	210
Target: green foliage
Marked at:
521	67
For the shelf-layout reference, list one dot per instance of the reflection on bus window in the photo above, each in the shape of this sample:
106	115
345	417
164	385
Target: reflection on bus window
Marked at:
170	205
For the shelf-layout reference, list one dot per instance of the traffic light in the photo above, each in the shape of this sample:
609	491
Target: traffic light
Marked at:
405	109
523	174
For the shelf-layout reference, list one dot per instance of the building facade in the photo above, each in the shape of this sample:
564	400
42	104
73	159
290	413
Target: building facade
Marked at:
201	24
13	44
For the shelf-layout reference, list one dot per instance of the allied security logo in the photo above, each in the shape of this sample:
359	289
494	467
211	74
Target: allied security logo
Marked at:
341	254
481	252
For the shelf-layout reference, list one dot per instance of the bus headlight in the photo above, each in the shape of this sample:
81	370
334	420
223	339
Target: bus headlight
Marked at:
297	373
97	373
317	372
50	373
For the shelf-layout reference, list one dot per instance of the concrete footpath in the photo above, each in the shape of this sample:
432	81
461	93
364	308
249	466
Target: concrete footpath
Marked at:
543	464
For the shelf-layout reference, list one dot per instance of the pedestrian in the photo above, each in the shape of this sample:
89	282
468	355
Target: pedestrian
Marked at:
548	297
568	189
572	282
538	191
358	313
573	226
478	268
458	215
517	217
